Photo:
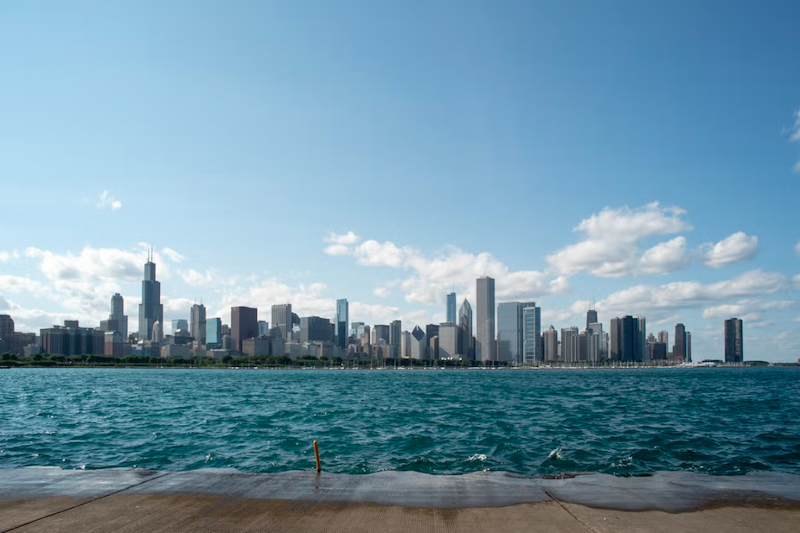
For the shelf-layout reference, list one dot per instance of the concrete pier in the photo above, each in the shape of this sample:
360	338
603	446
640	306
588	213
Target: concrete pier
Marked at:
128	500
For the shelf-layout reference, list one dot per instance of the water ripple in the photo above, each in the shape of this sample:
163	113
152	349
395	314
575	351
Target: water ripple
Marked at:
622	422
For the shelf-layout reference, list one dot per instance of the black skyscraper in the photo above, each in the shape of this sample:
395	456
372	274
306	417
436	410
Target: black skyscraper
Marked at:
150	310
734	341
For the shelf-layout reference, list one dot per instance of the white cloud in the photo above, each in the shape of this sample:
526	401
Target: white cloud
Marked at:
373	313
665	257
381	292
724	311
797	246
172	255
8	256
20	285
198	279
346	238
107	201
612	241
432	277
680	295
796	281
733	249
337	249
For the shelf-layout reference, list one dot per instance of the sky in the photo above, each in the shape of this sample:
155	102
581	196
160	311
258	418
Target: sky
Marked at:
641	157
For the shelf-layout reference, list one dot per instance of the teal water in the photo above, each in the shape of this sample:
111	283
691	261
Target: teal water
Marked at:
533	422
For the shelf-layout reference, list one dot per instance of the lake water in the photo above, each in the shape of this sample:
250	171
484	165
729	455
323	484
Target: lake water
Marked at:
721	421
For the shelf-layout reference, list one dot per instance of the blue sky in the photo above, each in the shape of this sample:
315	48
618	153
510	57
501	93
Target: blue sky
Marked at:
644	155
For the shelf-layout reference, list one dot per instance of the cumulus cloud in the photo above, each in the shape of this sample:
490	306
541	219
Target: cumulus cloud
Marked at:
196	278
724	311
381	292
734	249
659	300
84	282
612	243
8	256
107	201
172	255
20	284
431	277
340	244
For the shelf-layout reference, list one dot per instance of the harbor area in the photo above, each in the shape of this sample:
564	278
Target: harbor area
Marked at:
130	500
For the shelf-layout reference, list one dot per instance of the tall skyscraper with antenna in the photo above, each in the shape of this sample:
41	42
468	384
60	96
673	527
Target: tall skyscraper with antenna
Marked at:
150	310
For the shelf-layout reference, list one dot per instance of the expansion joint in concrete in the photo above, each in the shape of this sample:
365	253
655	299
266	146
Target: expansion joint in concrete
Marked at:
581	522
123	489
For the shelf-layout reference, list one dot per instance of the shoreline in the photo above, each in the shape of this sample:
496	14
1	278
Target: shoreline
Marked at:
51	499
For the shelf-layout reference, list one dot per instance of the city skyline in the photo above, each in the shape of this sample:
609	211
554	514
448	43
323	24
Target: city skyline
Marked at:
392	155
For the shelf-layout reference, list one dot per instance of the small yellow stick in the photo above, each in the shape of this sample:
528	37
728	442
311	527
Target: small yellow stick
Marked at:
316	454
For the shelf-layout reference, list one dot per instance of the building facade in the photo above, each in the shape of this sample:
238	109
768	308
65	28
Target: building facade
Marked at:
244	325
282	319
198	324
734	340
485	347
342	323
150	310
451	308
465	343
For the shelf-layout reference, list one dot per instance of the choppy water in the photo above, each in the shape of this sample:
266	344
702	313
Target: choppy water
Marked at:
717	421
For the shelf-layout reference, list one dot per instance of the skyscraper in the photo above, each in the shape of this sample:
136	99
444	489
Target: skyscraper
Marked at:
569	344
395	333
591	317
688	347
532	346
118	314
451	308
625	341
734	341
509	332
213	333
550	337
679	349
641	338
282	319
485	349
419	344
342	323
465	330
6	328
150	310
380	334
244	325
198	324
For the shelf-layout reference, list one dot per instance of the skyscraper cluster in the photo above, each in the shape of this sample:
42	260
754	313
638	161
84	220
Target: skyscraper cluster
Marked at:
508	332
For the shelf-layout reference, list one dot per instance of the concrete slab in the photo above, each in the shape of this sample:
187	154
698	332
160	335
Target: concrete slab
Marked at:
36	499
176	513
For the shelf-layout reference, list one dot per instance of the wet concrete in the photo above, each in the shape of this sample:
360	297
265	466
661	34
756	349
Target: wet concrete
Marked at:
50	499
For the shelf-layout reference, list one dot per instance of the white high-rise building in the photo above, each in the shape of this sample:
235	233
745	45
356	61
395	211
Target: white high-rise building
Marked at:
532	333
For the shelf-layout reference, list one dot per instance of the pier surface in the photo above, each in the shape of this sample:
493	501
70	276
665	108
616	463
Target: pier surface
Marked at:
128	500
